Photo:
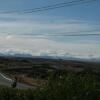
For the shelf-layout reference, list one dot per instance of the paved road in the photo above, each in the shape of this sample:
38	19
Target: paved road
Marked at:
7	81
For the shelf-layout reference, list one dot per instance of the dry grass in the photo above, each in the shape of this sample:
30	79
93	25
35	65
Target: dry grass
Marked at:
28	80
32	81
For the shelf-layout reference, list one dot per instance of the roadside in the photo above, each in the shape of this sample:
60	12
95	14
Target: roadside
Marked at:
4	80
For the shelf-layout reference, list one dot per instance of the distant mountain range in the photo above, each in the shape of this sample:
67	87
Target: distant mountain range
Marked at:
15	54
51	56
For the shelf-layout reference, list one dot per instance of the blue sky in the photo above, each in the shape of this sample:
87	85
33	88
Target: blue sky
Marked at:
34	33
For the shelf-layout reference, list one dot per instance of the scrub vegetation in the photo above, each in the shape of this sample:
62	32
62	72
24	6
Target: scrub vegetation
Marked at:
65	86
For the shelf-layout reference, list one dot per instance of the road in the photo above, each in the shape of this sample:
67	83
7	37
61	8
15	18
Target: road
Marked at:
4	80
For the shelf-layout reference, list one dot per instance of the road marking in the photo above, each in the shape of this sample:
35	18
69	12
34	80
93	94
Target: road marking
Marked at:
20	85
5	77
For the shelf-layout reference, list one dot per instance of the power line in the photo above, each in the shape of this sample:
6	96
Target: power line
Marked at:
79	33
51	7
65	35
61	5
73	35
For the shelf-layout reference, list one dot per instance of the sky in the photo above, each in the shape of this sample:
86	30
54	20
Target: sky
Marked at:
45	33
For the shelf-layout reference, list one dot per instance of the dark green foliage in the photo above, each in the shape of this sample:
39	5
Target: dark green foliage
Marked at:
7	93
65	86
73	86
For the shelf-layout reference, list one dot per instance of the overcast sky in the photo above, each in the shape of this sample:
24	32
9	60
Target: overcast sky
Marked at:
44	32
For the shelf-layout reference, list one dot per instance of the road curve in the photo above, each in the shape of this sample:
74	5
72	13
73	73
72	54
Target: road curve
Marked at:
7	81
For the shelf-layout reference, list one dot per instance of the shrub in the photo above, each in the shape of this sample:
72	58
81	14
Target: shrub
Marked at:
67	86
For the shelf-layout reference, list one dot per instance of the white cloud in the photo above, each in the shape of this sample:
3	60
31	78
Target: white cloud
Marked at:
9	37
12	40
38	46
35	26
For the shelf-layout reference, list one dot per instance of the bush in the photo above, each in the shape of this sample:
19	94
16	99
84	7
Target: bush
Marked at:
67	86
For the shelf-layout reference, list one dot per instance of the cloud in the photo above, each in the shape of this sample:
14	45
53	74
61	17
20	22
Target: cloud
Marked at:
22	34
40	46
9	37
28	25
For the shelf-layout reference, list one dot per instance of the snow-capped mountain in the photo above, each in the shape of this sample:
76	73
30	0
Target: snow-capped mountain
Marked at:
49	55
15	54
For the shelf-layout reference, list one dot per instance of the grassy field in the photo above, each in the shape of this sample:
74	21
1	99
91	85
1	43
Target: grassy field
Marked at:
66	86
